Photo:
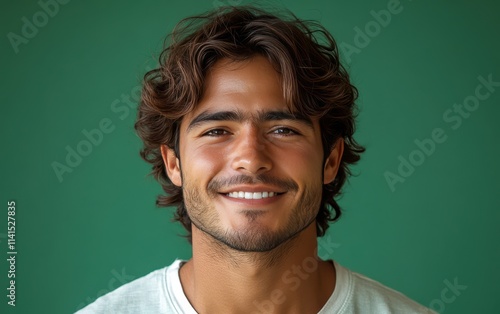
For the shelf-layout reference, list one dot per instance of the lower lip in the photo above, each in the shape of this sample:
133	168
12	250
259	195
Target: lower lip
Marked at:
262	201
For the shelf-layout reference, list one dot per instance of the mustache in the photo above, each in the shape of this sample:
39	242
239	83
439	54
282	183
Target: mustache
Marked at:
217	184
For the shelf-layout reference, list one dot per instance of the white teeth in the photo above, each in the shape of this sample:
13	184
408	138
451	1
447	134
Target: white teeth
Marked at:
251	195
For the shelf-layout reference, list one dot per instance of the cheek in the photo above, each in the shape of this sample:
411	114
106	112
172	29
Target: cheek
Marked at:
303	164
202	161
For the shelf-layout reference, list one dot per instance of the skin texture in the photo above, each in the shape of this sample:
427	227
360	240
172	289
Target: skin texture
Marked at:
246	253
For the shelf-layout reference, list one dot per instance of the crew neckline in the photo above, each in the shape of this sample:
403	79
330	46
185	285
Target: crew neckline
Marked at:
336	303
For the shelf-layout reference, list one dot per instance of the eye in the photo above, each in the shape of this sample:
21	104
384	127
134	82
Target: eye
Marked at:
284	131
216	132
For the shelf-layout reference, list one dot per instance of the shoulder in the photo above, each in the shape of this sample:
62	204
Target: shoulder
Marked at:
383	298
143	295
360	294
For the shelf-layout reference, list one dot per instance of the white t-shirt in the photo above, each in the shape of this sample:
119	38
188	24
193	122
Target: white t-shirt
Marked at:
161	292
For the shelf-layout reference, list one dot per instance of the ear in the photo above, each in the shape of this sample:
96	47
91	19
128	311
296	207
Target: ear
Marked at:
171	165
332	162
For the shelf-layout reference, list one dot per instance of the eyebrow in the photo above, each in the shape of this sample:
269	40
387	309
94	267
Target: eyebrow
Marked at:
284	115
238	116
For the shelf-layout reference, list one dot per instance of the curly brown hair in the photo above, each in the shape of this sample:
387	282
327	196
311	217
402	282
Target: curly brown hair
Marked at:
305	55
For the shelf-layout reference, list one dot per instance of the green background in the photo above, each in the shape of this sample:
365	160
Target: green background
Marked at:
98	227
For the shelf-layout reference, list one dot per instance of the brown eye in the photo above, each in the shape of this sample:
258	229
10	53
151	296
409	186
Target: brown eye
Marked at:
216	132
284	131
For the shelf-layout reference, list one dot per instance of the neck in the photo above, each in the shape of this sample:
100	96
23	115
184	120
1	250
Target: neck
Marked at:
288	279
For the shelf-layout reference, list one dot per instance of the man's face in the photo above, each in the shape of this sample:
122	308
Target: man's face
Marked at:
251	172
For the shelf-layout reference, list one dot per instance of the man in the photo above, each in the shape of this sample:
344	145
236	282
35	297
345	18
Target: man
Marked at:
248	124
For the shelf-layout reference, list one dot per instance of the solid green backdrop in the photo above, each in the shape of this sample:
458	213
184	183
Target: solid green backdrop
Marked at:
421	215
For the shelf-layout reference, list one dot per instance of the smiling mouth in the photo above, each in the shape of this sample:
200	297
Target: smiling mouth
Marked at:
252	195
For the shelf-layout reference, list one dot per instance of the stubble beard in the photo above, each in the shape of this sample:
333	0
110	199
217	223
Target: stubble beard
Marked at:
254	237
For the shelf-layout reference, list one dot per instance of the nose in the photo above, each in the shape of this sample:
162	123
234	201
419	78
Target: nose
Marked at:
250	155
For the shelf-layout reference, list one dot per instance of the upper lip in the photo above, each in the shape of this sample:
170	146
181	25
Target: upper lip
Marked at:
253	188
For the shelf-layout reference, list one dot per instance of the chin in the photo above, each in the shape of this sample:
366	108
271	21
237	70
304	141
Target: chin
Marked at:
245	243
254	238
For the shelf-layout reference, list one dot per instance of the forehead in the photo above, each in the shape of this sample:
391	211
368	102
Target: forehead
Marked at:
249	86
228	76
